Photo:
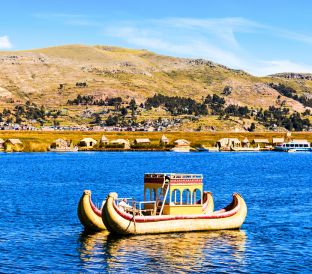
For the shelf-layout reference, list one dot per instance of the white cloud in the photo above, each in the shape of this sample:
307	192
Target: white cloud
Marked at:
5	42
223	28
79	20
192	49
263	68
289	35
212	39
185	38
215	39
57	15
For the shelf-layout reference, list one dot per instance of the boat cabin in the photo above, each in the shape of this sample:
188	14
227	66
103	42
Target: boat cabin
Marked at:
296	145
173	193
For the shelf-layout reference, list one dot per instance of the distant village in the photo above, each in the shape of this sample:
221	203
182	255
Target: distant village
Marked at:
114	115
117	114
148	127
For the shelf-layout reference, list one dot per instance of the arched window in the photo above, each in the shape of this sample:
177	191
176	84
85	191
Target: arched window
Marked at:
197	196
148	194
154	194
145	193
176	197
186	197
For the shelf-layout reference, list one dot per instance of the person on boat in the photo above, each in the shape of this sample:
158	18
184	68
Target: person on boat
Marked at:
124	205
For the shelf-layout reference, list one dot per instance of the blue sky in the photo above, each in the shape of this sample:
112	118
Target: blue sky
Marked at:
261	37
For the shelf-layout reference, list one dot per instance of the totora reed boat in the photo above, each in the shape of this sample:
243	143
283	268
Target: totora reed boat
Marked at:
172	203
89	215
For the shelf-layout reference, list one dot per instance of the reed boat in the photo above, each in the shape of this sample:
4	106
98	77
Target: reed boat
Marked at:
65	149
213	149
225	149
245	149
181	149
89	215
179	205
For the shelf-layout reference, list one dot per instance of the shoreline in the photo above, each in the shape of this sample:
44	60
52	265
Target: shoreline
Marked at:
35	141
134	150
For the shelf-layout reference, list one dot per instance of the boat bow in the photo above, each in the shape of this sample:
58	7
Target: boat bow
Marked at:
89	215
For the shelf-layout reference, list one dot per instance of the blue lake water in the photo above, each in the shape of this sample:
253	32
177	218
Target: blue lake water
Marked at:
40	231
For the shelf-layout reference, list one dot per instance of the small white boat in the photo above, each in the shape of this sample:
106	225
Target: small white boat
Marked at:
294	146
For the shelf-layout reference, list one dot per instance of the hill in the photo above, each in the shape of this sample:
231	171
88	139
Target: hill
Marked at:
52	76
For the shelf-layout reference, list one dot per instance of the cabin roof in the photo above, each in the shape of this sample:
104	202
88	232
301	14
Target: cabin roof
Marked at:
120	141
173	175
1	141
278	140
226	140
15	141
88	139
174	178
142	140
60	141
181	142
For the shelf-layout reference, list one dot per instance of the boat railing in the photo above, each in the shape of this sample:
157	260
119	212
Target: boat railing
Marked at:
127	200
148	211
138	208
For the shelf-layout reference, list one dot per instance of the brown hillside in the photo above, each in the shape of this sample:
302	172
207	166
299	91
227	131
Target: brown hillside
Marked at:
36	75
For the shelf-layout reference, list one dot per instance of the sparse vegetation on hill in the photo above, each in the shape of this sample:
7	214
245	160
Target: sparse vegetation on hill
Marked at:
25	113
292	93
176	105
94	85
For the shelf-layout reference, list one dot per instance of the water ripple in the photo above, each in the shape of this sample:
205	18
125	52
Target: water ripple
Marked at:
40	231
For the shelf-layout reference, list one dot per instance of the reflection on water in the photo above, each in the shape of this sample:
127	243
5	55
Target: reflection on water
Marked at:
91	250
198	251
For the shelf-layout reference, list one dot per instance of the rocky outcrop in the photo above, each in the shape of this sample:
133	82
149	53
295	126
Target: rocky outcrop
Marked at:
203	62
292	75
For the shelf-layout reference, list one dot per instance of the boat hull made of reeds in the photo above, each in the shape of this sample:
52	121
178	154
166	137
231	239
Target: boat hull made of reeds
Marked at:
118	221
89	215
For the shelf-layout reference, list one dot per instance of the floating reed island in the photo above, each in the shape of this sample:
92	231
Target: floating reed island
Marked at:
71	141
